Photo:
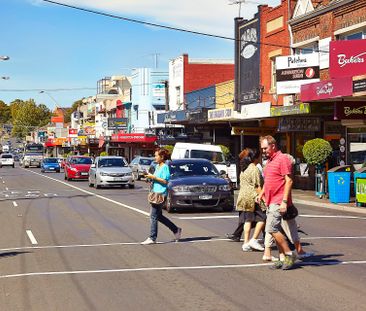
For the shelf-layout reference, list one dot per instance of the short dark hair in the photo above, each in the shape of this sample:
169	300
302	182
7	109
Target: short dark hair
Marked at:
248	157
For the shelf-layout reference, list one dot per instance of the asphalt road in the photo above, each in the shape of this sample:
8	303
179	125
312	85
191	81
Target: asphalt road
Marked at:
65	246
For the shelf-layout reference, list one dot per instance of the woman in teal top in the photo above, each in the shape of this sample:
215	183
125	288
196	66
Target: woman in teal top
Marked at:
160	180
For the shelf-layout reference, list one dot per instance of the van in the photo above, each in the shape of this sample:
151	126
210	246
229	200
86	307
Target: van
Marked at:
212	153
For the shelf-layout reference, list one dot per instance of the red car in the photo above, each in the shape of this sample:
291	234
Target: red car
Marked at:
77	167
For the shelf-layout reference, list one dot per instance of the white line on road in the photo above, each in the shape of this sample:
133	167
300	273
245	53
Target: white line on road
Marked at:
177	268
204	217
94	194
15	204
6	188
332	216
167	242
31	237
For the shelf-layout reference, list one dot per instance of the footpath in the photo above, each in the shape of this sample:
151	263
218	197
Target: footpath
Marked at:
308	197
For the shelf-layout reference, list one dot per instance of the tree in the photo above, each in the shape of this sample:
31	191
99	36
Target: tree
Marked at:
69	111
5	113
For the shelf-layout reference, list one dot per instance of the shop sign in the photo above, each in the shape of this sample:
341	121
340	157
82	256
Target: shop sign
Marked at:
221	114
292	71
41	134
117	123
73	133
361	190
132	138
57	119
359	85
248	60
93	141
347	58
350	110
59	141
82	140
302	108
197	116
238	130
253	111
299	125
175	116
158	89
327	89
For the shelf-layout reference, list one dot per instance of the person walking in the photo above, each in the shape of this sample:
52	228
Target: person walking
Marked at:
276	193
159	180
250	186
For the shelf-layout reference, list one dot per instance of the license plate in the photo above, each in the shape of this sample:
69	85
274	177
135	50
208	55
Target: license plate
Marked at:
118	179
52	168
84	174
205	197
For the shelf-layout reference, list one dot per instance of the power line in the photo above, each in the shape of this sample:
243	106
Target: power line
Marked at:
132	20
49	90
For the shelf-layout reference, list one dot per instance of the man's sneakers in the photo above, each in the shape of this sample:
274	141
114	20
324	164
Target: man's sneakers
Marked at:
305	255
178	234
246	247
289	262
232	237
253	243
148	241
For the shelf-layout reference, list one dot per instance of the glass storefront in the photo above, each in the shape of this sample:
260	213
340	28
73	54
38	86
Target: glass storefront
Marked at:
357	147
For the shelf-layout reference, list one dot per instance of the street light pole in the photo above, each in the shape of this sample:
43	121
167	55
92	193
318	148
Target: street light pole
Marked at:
50	96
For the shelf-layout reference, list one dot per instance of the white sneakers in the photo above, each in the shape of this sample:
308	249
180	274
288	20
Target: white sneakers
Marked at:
246	247
148	241
252	244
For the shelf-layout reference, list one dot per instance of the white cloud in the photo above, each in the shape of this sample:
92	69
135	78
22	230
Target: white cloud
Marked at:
211	16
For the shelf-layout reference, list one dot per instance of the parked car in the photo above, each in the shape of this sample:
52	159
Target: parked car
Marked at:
196	183
50	165
7	159
140	165
110	171
77	167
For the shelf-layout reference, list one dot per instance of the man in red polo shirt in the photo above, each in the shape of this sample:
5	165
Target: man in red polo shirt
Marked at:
276	193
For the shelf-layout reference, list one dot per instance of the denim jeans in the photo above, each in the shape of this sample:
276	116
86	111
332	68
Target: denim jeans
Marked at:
156	215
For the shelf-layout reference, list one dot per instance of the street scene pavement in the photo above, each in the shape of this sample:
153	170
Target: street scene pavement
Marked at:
65	246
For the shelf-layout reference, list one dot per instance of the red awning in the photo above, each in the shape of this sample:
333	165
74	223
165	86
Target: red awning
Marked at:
133	138
49	143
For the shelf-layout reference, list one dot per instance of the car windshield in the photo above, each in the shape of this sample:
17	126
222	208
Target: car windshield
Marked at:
214	157
111	162
145	161
6	156
50	160
81	161
193	169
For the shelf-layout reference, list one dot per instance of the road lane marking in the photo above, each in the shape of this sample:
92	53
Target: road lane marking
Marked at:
204	217
178	268
332	216
6	188
15	204
31	237
94	194
167	242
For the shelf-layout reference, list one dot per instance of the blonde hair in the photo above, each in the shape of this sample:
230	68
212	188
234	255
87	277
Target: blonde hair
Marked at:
270	139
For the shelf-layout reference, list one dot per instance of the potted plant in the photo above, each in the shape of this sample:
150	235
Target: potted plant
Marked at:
316	152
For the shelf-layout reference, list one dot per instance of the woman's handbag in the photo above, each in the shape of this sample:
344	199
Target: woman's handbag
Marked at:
291	212
155	198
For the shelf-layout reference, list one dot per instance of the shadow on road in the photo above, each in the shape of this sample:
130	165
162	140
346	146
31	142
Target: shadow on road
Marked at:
12	254
319	260
198	238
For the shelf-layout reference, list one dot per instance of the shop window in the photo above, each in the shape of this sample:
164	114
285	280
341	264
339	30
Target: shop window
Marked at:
307	49
273	75
358	35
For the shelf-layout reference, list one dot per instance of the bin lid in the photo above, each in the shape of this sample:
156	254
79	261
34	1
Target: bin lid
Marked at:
361	170
341	168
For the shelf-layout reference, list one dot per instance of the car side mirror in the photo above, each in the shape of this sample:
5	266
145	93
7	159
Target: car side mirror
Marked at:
222	173
92	166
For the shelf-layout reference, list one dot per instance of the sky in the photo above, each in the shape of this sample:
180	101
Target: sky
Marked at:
65	51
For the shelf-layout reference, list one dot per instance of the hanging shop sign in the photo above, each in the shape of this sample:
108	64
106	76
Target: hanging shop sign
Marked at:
255	111
359	85
73	133
197	116
303	108
350	110
361	190
252	131
292	71
173	116
248	60
327	89
158	89
307	124
221	114
93	141
117	123
347	58
132	138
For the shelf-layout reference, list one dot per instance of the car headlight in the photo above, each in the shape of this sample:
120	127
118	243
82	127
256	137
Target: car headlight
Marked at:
224	188
181	189
73	169
103	174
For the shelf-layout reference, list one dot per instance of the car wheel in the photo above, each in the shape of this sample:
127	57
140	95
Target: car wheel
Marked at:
65	177
131	186
13	165
168	204
42	171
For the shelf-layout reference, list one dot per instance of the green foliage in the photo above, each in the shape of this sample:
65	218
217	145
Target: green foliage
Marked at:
225	151
316	151
86	154
169	148
103	153
5	113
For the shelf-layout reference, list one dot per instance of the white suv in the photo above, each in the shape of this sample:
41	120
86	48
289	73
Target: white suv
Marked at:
6	159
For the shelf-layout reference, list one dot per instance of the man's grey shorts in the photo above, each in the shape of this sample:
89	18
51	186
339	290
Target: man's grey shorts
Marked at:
273	223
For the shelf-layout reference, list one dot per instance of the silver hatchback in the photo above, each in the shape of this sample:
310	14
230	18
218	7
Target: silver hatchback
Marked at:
110	171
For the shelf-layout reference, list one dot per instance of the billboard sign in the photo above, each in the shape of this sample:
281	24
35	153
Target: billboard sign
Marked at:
248	62
347	58
117	123
292	71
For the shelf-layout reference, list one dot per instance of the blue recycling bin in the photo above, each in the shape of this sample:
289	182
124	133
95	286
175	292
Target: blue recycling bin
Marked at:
360	173
339	184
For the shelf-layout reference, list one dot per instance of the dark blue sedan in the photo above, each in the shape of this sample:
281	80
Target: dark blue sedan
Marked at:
196	183
50	165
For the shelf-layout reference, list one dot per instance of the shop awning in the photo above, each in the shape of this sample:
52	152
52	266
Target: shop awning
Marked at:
133	138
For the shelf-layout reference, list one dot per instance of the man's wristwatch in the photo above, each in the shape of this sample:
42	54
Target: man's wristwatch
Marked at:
284	201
